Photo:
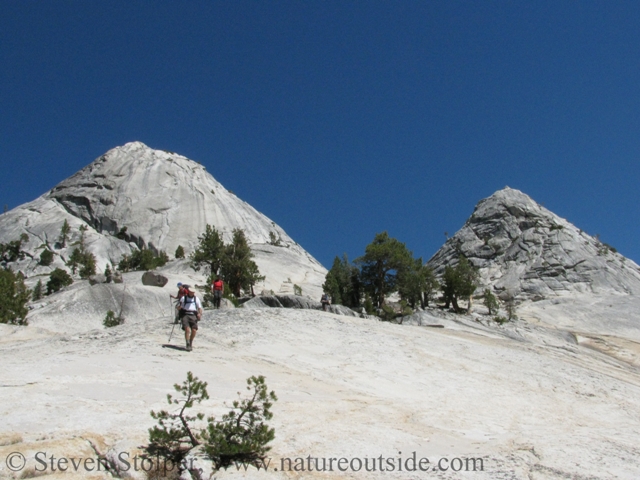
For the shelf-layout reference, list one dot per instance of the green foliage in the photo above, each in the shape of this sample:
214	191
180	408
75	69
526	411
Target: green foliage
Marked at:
242	435
297	290
58	279
510	307
555	227
175	434
122	233
82	259
209	253
179	252
459	282
110	320
342	283
64	234
38	292
274	239
108	273
490	301
500	320
417	284
12	251
14	296
383	260
46	257
143	259
239	271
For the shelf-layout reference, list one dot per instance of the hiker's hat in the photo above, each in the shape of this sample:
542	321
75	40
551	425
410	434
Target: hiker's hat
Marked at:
191	290
179	284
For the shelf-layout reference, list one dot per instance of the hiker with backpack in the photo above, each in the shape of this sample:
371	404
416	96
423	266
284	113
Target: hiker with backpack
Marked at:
217	288
190	311
326	301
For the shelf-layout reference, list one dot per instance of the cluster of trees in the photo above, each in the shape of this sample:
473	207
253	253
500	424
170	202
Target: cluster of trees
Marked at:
143	259
233	262
388	267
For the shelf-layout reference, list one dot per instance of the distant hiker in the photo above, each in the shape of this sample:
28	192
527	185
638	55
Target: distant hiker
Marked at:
217	288
325	301
190	310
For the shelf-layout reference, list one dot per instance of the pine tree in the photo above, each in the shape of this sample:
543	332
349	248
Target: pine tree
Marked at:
14	296
64	234
459	282
342	283
417	283
37	291
179	252
58	279
239	271
46	257
383	259
209	252
490	301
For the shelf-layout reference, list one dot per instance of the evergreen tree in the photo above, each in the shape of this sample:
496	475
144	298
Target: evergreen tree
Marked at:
12	251
459	282
209	253
179	252
14	296
37	291
383	259
342	283
490	301
239	271
417	283
46	257
64	234
75	260
58	279
88	264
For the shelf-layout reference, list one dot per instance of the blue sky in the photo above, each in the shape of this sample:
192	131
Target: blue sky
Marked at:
339	120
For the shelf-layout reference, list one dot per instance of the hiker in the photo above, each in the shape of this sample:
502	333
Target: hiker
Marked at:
325	301
182	291
217	288
190	311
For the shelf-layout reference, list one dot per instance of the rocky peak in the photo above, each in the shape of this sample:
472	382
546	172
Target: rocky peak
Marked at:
523	249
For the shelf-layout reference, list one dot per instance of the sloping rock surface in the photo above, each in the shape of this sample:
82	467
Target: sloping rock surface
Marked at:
133	197
524	250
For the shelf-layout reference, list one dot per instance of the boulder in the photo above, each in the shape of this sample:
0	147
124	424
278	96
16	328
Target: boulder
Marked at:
96	279
154	279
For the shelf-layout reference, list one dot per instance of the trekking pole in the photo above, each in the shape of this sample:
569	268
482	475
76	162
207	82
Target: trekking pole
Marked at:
174	321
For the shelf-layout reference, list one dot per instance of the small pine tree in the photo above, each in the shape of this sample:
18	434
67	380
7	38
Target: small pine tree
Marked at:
58	279
110	320
64	234
37	291
490	301
108	273
179	252
46	257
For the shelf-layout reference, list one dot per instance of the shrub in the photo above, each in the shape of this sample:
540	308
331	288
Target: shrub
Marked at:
179	252
297	290
111	320
46	257
499	319
14	296
58	279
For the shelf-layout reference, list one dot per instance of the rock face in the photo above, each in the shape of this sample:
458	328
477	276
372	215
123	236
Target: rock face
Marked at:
523	249
133	197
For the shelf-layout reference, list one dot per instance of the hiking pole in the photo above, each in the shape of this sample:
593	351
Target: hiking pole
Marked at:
174	321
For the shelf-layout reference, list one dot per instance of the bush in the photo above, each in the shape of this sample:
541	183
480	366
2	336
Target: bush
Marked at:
241	437
179	252
499	319
14	296
297	290
111	320
46	257
143	259
58	279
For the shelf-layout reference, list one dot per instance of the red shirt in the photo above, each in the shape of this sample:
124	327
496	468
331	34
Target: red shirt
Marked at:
217	285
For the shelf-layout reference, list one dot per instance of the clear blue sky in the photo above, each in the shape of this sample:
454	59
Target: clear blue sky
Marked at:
339	119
